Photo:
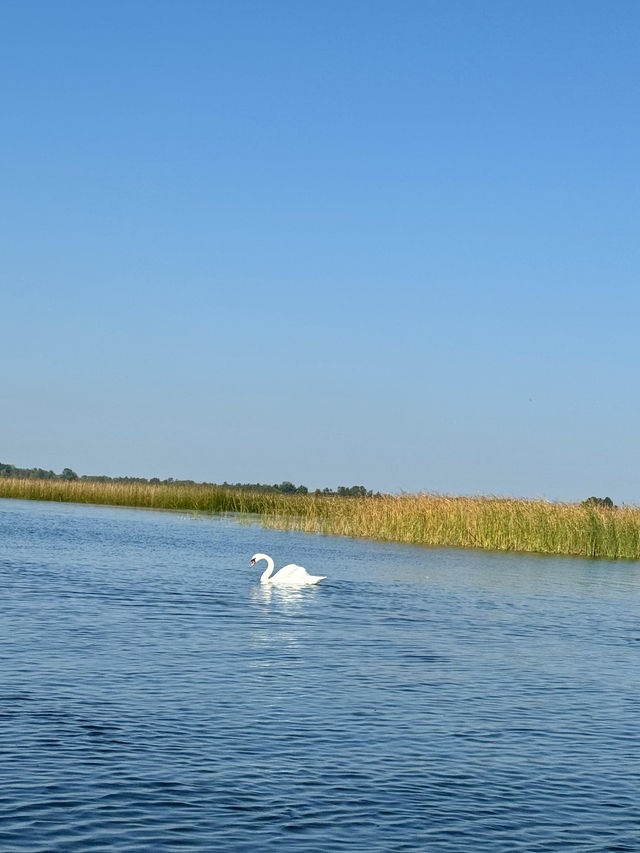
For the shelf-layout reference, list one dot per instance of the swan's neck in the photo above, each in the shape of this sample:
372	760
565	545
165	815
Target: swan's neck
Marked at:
264	577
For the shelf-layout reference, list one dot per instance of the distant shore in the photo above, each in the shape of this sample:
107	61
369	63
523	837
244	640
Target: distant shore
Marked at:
500	524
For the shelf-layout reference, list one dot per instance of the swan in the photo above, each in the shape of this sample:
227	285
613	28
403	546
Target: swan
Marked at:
291	575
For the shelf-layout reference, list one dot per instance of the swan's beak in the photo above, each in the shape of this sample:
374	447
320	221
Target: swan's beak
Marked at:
251	563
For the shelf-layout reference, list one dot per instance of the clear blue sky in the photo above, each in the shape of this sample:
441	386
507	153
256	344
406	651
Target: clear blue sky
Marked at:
391	243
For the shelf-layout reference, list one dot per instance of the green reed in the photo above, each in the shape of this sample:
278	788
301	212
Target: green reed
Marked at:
502	524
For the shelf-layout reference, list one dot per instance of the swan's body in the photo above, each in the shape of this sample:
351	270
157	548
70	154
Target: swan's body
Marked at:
290	575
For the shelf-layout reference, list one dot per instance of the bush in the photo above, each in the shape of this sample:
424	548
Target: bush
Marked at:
605	503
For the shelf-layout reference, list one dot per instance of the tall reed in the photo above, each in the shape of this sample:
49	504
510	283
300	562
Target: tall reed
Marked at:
503	524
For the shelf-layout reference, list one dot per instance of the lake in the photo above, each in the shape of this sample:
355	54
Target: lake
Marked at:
154	697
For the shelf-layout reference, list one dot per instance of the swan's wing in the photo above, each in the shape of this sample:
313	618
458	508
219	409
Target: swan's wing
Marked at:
293	574
289	572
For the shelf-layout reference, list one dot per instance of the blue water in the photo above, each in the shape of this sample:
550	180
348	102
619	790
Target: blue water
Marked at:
154	697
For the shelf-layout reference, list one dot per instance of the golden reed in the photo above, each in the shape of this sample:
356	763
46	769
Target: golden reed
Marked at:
502	524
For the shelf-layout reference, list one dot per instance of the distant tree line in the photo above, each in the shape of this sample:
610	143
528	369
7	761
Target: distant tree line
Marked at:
288	488
349	492
605	503
7	470
284	488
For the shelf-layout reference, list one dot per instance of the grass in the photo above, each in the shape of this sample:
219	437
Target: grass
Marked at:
502	524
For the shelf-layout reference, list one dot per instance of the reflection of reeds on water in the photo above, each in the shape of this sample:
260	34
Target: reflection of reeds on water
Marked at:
504	524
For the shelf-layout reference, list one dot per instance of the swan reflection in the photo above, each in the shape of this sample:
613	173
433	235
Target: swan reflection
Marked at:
290	597
277	633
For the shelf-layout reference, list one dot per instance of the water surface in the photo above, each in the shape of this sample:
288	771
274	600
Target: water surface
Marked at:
155	697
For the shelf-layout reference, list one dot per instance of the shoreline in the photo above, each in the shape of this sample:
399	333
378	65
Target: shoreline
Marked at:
487	523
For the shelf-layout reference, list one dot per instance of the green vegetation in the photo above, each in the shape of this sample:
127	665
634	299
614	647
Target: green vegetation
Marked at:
7	470
589	529
606	503
285	488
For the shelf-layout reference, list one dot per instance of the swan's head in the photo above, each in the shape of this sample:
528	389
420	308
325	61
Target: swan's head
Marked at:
253	560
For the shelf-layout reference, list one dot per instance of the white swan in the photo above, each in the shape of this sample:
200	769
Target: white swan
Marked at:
291	575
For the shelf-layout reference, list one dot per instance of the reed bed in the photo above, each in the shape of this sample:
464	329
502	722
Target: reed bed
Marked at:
501	524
